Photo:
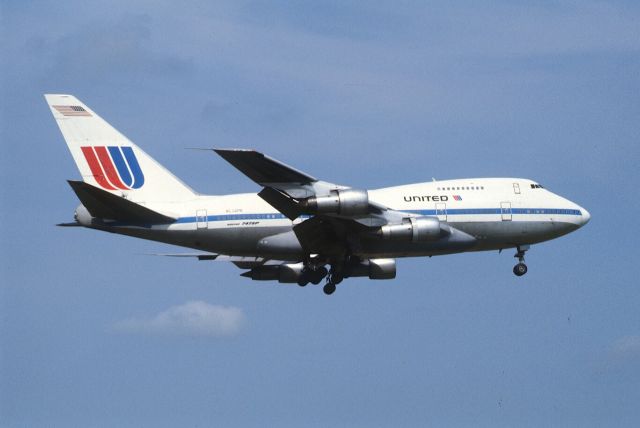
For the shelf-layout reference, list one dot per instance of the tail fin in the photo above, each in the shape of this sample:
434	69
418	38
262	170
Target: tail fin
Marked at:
108	160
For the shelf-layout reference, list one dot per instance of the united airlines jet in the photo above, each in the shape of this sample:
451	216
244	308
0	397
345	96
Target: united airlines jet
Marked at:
297	228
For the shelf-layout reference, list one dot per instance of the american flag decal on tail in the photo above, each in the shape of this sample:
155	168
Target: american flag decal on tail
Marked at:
71	111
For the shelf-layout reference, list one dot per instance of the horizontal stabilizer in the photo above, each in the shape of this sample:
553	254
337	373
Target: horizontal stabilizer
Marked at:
199	256
262	169
106	205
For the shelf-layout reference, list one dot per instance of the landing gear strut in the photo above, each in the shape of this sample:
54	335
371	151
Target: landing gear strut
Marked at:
520	269
334	278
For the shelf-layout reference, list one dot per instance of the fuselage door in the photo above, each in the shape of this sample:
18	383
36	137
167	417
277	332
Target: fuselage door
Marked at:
505	211
201	219
441	211
516	188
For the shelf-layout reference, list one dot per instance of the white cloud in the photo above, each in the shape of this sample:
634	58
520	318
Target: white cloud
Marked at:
194	318
626	348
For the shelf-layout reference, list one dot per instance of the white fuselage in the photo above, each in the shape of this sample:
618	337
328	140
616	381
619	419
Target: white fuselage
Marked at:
497	212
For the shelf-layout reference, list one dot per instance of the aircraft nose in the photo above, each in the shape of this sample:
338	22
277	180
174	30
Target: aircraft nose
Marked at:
585	216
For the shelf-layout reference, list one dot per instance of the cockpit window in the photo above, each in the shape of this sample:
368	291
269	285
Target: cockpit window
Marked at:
536	186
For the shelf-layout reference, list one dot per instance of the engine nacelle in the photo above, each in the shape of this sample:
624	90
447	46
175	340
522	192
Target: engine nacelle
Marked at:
412	229
291	273
344	202
373	268
285	273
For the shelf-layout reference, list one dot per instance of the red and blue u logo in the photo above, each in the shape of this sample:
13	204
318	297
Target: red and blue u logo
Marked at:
114	167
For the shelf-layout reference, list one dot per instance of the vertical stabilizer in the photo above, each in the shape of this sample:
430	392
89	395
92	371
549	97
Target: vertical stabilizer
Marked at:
108	160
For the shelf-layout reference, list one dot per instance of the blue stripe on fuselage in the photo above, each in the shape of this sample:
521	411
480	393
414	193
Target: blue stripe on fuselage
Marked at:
452	211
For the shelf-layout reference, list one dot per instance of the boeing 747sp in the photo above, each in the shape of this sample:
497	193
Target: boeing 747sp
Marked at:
297	228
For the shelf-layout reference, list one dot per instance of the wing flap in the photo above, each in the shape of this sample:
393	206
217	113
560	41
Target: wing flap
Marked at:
326	235
240	261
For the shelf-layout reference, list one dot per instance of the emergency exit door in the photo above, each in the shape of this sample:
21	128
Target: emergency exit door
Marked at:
202	222
505	211
441	211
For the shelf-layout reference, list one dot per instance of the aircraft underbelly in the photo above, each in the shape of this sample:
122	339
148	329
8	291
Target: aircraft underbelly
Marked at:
280	241
499	234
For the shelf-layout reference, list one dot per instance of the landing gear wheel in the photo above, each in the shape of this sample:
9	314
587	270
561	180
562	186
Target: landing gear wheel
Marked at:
303	281
329	288
318	275
520	269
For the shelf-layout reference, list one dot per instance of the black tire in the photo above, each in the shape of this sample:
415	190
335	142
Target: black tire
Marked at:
318	275
520	269
329	289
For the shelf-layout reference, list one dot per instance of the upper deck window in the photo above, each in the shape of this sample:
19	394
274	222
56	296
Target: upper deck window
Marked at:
443	189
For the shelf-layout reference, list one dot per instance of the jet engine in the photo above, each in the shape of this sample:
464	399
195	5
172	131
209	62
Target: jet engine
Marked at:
344	202
372	268
413	229
292	272
284	273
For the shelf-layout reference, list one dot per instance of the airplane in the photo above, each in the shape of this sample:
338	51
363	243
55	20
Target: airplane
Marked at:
297	228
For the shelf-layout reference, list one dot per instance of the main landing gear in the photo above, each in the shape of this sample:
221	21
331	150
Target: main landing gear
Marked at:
520	269
332	280
312	274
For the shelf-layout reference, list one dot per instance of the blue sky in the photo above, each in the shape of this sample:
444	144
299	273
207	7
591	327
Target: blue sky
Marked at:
362	93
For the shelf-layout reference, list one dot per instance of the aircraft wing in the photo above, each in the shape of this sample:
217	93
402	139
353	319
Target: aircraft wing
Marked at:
262	169
336	213
285	188
240	261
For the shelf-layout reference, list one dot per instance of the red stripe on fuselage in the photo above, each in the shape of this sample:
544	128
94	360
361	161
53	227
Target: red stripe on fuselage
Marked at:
96	170
109	168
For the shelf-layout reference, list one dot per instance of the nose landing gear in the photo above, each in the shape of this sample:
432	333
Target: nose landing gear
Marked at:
520	269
